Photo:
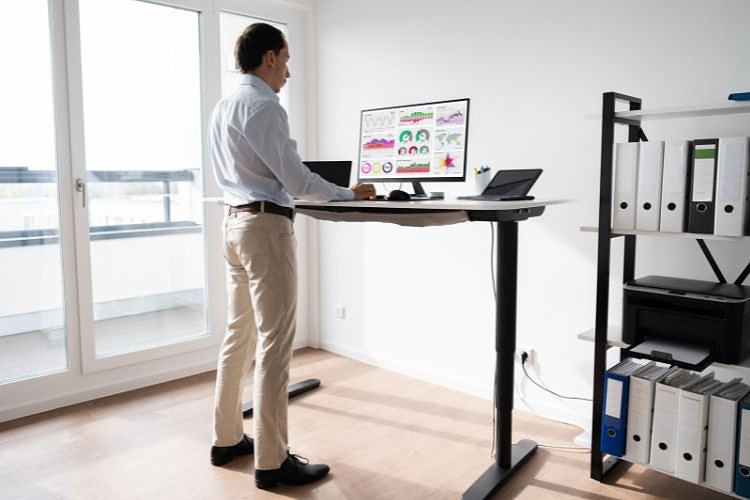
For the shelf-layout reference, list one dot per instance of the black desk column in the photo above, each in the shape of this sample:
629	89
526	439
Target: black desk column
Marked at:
509	457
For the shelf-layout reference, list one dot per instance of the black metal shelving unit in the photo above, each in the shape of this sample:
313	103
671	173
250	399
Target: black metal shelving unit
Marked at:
601	463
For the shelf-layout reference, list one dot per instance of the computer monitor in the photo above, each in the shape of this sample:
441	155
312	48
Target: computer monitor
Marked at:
414	143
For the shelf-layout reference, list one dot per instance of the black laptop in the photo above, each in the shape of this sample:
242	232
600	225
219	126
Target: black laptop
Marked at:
336	172
508	185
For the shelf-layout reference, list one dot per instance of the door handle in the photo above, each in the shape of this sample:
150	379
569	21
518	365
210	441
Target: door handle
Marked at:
81	188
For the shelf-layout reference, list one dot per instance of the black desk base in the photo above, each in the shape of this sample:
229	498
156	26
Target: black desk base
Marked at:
510	457
495	476
294	390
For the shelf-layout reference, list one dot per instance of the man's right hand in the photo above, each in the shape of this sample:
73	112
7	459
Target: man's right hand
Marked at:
363	191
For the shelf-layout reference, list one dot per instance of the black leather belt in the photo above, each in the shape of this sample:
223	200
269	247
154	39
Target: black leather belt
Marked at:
264	206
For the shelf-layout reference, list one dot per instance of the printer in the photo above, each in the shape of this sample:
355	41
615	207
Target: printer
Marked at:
713	315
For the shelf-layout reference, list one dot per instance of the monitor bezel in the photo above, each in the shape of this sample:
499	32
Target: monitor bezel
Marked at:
382	180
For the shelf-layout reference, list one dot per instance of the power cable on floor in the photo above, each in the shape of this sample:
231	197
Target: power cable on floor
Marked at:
524	356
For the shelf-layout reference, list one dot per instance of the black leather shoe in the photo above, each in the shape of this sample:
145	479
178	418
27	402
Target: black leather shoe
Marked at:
221	455
294	470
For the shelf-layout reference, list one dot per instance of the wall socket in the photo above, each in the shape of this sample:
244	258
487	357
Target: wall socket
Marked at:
341	312
532	355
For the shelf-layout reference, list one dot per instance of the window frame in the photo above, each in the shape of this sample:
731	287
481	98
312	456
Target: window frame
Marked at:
88	377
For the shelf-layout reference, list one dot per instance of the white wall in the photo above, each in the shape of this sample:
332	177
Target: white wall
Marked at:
420	300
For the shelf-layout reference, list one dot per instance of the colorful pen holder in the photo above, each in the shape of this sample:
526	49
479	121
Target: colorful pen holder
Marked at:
481	179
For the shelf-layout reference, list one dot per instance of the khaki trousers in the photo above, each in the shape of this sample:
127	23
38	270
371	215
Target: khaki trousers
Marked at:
260	253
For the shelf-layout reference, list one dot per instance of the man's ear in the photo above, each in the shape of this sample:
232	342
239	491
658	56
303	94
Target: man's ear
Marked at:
269	58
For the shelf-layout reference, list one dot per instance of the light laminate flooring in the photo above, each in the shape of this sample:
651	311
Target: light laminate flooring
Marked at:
385	435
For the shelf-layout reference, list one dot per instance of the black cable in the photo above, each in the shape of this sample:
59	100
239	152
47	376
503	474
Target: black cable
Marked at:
492	259
496	382
523	367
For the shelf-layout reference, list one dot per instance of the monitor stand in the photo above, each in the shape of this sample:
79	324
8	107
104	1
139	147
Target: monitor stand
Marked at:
420	194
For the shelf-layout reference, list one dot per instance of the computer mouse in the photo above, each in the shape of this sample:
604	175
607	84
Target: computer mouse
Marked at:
398	195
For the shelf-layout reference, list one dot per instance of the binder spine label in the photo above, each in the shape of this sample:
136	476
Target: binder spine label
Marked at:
703	172
625	178
674	186
665	418
614	398
690	413
731	187
722	414
732	169
675	169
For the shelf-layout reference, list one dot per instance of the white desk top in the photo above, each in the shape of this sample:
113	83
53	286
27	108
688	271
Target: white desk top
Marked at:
424	213
446	204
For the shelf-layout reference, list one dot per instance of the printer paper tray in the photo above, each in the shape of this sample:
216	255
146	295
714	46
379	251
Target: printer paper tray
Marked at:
683	354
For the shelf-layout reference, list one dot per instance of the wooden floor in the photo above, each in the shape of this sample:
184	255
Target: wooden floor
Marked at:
386	436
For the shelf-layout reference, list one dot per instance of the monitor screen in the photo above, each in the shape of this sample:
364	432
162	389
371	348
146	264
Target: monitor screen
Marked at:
418	142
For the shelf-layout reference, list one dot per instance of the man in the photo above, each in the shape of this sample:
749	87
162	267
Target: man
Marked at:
257	165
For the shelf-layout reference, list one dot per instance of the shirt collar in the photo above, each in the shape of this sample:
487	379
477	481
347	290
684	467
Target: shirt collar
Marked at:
259	84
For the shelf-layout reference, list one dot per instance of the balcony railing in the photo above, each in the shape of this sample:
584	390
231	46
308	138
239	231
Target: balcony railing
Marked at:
22	175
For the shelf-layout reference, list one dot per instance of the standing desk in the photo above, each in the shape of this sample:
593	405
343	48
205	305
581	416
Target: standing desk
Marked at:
507	214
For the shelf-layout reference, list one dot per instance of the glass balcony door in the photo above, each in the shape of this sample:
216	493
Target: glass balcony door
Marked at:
34	325
140	194
111	261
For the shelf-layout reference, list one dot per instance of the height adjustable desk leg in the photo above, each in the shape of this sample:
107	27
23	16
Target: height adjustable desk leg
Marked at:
509	457
294	390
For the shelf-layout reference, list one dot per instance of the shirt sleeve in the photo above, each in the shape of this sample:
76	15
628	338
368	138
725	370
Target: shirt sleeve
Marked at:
267	133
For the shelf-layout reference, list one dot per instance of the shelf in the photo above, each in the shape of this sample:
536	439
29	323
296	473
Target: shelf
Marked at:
726	108
745	365
692	236
702	485
634	119
614	337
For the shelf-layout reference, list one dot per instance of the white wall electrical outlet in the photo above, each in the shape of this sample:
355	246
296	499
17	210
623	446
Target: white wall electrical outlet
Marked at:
341	312
531	355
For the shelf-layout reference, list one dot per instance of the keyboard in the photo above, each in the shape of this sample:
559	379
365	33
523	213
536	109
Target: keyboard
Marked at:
491	197
413	197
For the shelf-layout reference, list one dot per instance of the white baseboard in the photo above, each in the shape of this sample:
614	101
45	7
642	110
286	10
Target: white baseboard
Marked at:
544	410
583	439
300	342
91	393
409	370
536	407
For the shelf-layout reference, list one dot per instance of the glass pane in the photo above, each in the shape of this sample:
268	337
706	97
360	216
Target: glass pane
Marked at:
33	338
141	93
231	27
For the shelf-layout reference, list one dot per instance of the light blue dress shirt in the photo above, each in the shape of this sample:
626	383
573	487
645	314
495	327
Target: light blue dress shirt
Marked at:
253	157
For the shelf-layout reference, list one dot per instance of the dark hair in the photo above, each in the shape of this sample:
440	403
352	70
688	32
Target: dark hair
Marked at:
256	40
